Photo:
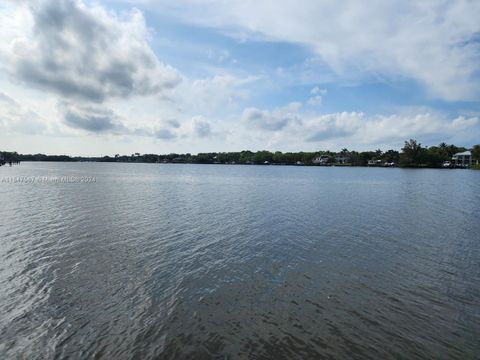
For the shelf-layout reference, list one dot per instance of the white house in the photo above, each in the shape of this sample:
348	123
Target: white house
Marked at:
321	160
462	159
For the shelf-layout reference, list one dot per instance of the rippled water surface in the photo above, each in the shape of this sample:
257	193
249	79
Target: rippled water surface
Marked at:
248	262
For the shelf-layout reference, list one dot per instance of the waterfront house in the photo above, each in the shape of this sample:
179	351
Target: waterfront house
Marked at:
342	158
374	162
321	160
462	159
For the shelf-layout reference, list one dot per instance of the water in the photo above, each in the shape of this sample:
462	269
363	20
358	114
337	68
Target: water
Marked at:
226	262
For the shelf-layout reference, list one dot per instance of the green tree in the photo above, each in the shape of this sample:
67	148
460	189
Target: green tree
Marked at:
412	154
391	156
435	156
476	152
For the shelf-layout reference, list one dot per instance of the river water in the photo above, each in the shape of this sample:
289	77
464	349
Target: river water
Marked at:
166	261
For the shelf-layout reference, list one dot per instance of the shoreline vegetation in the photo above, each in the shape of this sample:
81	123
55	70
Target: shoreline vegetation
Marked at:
412	155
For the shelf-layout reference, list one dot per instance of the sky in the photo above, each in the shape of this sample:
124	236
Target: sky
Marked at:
93	78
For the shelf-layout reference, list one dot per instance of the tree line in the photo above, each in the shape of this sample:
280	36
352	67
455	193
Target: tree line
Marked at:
413	154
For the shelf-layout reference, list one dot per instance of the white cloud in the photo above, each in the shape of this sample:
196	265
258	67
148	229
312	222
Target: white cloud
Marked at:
89	59
317	97
315	100
83	52
101	120
165	134
207	96
317	91
202	127
433	42
173	123
276	120
14	118
93	119
355	129
221	56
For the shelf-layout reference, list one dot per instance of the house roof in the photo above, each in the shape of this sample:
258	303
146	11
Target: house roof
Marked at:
463	153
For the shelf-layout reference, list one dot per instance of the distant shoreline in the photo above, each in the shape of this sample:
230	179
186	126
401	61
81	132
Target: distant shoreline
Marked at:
289	165
412	155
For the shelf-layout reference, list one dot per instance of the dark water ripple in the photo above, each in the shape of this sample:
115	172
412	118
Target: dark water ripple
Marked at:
215	262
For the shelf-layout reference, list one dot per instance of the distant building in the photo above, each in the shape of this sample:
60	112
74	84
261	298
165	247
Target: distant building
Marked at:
321	160
462	159
374	162
342	158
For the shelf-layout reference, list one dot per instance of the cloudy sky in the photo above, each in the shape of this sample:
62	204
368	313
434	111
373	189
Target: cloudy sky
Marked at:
87	77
